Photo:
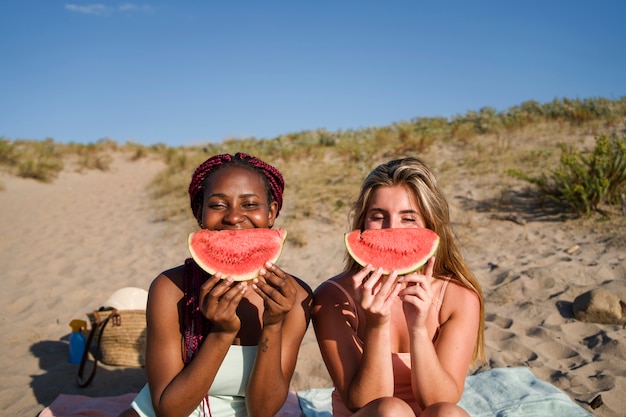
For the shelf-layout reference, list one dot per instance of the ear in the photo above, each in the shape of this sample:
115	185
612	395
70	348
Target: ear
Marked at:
273	213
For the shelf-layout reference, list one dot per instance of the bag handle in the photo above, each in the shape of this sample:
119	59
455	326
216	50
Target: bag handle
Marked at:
96	326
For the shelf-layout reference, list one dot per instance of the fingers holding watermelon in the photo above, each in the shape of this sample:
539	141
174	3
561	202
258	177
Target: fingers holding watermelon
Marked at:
417	296
394	252
376	291
277	288
360	277
219	298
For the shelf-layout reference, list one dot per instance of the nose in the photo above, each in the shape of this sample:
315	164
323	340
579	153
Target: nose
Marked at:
233	216
392	222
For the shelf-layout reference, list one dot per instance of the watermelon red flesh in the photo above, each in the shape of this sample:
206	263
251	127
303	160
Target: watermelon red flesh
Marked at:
403	250
236	253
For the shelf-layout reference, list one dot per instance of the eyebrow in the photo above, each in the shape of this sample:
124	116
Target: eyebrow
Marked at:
222	195
407	211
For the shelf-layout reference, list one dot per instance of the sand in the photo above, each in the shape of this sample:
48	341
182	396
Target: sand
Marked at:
66	246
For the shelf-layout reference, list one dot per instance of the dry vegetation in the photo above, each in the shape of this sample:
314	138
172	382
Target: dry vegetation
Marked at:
506	154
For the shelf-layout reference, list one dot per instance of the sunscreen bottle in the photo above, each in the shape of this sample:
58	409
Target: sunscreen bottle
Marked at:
77	340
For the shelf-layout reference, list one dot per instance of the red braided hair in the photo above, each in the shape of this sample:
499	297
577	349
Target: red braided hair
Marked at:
273	178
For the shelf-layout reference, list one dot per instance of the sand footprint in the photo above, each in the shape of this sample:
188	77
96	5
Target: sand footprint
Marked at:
556	350
604	344
509	351
538	332
503	322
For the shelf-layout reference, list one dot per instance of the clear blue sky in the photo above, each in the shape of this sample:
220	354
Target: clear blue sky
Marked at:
191	71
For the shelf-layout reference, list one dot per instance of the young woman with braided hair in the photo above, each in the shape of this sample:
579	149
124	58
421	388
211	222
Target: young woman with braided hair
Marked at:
400	346
216	347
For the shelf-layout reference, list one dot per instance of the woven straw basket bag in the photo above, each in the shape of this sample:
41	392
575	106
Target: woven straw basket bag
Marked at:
123	340
118	332
120	340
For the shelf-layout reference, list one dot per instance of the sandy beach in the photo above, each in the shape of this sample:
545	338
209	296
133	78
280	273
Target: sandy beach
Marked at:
66	246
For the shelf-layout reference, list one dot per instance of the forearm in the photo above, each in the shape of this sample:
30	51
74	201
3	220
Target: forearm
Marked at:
183	394
268	386
430	381
374	378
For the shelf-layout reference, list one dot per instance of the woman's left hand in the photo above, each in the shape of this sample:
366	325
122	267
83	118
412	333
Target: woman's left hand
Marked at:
417	297
278	291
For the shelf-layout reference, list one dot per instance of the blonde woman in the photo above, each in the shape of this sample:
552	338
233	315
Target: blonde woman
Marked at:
400	345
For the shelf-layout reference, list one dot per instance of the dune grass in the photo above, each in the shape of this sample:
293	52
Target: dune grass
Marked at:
523	145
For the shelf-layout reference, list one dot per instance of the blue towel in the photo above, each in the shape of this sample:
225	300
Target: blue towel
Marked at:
316	402
500	392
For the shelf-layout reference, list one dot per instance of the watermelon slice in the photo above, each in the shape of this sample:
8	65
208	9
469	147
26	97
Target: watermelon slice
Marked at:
403	250
236	253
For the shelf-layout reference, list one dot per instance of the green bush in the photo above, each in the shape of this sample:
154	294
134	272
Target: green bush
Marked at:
41	169
582	182
92	156
41	161
8	153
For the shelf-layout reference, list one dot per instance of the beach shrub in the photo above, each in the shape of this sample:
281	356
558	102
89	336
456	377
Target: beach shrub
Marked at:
92	156
8	152
583	181
139	151
41	161
91	161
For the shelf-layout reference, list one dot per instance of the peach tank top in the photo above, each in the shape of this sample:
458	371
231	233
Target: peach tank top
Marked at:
401	362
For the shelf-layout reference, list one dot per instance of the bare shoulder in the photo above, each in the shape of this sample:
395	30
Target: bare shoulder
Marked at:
458	291
459	299
162	310
304	298
304	289
168	283
329	293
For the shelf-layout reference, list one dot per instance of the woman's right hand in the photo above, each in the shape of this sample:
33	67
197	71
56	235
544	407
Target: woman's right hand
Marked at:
375	293
219	298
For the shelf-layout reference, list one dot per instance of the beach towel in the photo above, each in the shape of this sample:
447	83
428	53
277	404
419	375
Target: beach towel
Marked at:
500	392
509	392
83	406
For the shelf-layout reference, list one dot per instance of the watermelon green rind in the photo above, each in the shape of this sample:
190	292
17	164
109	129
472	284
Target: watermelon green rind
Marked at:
239	254
403	249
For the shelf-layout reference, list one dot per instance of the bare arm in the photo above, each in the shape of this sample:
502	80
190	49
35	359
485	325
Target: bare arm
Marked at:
439	369
177	390
360	373
286	316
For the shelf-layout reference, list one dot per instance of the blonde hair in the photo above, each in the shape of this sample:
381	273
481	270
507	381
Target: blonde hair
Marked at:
420	179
